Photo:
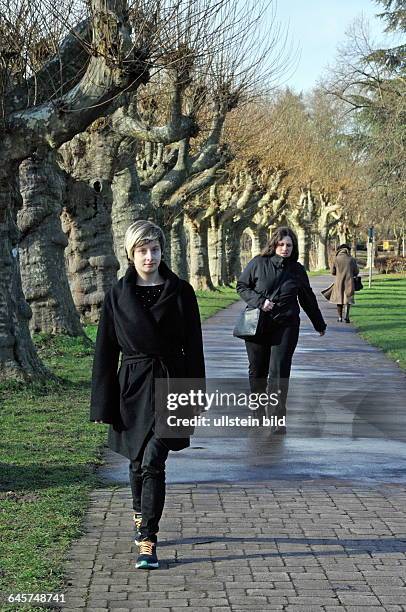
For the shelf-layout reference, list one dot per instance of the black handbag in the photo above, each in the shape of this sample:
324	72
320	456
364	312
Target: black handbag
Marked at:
247	323
358	283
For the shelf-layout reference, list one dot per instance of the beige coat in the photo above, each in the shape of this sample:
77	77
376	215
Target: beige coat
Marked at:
344	269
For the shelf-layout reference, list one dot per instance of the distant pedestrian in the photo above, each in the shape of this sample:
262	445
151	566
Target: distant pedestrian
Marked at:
341	292
150	323
271	349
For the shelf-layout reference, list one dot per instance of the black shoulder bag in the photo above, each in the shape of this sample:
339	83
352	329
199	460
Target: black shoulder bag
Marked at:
358	283
247	323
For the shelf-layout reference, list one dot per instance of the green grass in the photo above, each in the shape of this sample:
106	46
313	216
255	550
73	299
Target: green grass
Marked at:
318	272
48	456
213	301
380	315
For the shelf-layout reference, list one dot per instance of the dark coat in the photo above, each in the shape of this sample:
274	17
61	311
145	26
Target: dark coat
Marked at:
261	277
153	343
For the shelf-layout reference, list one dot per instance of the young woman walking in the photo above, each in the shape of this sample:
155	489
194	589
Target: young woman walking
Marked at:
149	328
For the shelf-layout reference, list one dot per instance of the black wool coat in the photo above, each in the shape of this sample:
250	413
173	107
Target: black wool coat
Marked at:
156	343
261	277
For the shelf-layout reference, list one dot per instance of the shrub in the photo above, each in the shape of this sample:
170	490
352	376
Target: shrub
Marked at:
389	264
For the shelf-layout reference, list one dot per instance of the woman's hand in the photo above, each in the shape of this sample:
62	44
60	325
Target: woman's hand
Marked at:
267	306
322	333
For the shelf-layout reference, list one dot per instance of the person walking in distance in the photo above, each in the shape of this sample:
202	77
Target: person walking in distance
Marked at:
341	292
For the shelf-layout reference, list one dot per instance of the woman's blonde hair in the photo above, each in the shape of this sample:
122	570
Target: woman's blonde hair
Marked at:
139	233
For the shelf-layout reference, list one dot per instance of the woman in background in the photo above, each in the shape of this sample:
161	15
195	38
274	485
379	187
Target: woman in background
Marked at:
271	350
341	292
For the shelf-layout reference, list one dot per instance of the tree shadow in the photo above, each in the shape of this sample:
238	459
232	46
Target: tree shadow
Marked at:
43	476
351	547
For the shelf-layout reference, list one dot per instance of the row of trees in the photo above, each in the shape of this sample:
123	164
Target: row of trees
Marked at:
161	111
110	110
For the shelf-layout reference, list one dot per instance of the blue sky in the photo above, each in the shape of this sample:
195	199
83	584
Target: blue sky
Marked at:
317	27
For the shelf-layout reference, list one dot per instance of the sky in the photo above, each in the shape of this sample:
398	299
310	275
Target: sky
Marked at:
317	27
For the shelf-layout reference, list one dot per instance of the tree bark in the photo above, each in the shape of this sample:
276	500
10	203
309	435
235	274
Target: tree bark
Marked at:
300	218
215	250
42	245
199	276
233	235
322	252
354	246
259	238
18	357
129	204
304	240
89	159
326	208
343	233
179	248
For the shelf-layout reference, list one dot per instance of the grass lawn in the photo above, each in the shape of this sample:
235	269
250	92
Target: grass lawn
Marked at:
380	315
318	272
212	301
48	456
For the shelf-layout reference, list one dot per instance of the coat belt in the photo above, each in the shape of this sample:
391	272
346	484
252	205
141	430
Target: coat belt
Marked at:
137	357
155	359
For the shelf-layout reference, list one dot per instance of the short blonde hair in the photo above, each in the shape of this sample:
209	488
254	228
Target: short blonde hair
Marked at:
139	233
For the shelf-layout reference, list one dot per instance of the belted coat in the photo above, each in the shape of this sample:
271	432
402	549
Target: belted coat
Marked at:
344	269
153	343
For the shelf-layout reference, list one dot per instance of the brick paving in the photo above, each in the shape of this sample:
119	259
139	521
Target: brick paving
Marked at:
283	543
279	545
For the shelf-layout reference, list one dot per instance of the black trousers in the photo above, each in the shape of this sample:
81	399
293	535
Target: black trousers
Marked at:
147	480
270	356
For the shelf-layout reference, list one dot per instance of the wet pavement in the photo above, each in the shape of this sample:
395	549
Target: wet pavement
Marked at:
352	426
311	521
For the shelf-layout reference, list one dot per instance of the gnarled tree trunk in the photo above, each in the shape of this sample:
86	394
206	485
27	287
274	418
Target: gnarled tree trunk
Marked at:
130	202
42	246
18	357
199	276
179	248
233	233
326	209
92	266
216	250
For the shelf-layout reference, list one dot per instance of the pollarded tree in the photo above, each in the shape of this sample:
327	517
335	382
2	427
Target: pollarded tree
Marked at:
33	119
97	164
41	247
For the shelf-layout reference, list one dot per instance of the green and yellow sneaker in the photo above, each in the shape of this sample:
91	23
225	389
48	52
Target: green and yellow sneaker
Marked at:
147	558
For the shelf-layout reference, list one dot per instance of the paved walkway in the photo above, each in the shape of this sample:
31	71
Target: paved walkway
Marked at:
313	521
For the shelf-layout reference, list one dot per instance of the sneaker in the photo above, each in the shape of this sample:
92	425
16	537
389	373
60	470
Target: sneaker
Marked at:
137	524
147	558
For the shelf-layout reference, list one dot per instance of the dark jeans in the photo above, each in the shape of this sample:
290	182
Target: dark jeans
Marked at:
271	356
147	480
